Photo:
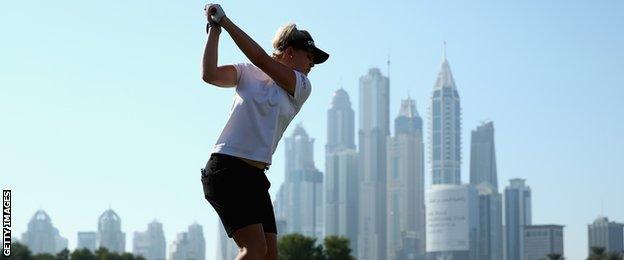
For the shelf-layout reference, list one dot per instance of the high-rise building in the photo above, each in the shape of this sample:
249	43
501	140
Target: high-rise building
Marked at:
109	233
406	186
490	222
606	234
452	222
87	240
340	123
341	195
42	236
445	129
517	216
541	240
227	248
374	120
151	243
483	156
341	171
300	198
189	245
483	176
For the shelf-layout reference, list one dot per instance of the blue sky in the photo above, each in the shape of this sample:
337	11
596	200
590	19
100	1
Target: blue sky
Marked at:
103	105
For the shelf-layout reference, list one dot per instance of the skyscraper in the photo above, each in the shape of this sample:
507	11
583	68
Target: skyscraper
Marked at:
517	216
227	248
87	240
541	240
151	243
406	186
300	198
606	234
490	222
483	176
340	123
341	171
189	245
483	156
109	233
374	131
42	236
445	137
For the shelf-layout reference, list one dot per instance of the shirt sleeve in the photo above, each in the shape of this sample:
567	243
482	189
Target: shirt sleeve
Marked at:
303	88
241	68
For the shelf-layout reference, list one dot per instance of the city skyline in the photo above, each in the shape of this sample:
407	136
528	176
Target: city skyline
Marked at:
89	107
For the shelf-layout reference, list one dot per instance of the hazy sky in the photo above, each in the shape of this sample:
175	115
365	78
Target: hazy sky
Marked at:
102	104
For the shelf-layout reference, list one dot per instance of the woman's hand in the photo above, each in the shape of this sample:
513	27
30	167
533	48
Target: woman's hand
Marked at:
214	13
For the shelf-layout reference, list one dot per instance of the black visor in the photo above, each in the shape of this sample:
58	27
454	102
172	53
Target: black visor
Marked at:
308	44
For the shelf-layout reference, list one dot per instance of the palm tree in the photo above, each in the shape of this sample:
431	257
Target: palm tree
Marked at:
597	253
554	256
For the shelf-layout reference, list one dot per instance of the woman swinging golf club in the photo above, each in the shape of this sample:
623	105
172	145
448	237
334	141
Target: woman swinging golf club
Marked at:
269	93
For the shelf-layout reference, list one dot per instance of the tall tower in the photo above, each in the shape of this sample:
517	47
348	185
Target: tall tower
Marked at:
150	244
606	234
42	236
484	177
405	186
445	129
300	198
374	131
341	171
340	123
109	233
517	216
483	156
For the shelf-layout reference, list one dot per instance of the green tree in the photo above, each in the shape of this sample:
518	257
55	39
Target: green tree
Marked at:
299	247
615	256
337	248
82	254
44	256
63	255
20	252
555	256
597	253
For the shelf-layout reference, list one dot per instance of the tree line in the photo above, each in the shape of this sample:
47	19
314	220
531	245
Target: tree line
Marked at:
290	247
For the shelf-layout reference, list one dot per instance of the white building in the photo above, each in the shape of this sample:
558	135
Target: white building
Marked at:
189	245
341	171
227	248
374	120
405	186
150	244
452	222
300	198
606	234
41	236
109	234
87	240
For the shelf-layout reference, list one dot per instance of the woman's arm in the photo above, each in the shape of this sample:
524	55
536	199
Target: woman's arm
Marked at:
280	73
224	76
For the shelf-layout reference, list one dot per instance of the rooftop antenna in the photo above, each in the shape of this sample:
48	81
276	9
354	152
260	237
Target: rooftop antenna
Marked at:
388	62
444	50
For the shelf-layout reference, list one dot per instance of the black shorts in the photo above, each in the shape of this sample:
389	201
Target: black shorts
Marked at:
239	193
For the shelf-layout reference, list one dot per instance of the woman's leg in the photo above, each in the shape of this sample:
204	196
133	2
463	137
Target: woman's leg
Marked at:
271	241
251	242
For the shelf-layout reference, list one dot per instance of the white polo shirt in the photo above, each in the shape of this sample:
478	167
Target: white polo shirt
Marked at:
260	113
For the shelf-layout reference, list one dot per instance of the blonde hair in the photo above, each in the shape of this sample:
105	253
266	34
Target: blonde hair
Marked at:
285	34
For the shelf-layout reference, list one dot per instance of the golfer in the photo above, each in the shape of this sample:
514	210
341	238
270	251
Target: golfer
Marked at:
269	93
